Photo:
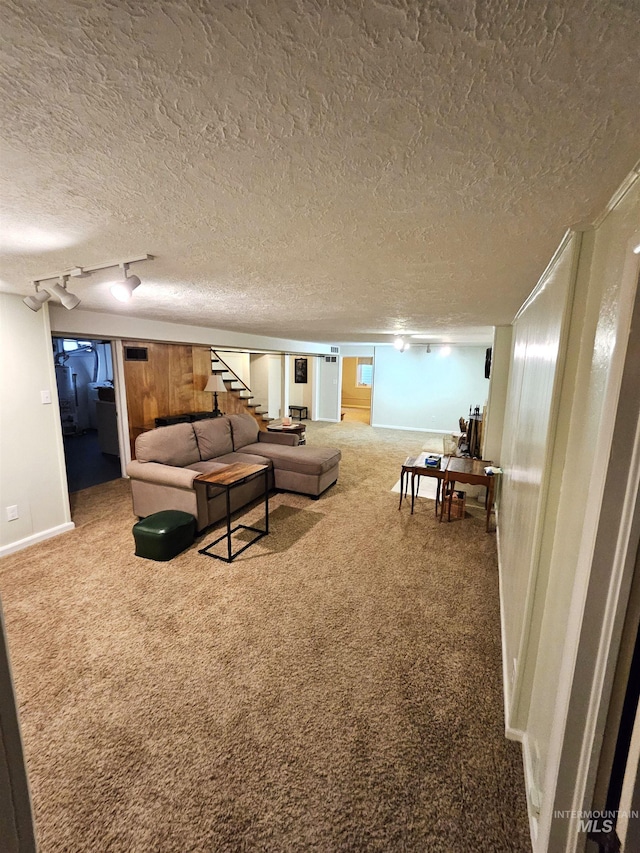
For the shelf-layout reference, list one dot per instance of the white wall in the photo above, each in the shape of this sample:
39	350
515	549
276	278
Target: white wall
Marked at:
266	382
532	403
32	472
427	391
301	393
327	379
275	385
83	324
497	402
557	600
584	582
240	364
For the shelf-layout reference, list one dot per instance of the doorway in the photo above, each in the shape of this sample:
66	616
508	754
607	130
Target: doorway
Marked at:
88	416
357	383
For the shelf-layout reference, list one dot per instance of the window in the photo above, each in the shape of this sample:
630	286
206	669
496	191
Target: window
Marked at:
364	373
71	346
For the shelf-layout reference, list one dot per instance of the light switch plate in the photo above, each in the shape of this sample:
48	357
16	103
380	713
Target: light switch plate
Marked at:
45	396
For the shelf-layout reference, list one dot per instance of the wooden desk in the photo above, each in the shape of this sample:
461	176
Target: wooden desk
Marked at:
461	470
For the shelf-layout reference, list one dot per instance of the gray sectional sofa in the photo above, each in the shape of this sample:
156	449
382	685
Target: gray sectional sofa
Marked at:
168	459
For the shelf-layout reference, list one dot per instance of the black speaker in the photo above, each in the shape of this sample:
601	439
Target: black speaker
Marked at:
487	364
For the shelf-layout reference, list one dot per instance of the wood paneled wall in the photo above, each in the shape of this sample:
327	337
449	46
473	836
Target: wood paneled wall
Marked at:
169	383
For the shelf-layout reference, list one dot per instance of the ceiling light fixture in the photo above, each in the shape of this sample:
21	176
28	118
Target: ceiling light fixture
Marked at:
68	299
123	290
38	299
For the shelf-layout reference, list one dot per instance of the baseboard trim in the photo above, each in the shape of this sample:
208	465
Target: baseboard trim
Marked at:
510	732
413	429
531	786
5	550
328	420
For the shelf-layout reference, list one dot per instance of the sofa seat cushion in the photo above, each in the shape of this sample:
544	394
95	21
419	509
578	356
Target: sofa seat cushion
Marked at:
214	437
302	460
170	445
245	430
245	458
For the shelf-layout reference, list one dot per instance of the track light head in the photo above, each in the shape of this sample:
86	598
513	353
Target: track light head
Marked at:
69	300
38	299
122	290
400	344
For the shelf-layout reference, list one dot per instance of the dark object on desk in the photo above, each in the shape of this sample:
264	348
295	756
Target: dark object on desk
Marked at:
164	535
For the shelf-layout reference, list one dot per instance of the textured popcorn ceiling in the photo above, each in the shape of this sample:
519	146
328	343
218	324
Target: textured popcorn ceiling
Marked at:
323	170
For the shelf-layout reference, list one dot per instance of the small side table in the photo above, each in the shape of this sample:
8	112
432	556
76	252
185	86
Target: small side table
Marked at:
299	410
296	429
227	478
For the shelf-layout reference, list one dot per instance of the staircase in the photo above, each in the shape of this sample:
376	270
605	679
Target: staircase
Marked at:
239	397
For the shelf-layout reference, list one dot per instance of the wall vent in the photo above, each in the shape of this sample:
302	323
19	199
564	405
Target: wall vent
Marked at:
335	349
136	354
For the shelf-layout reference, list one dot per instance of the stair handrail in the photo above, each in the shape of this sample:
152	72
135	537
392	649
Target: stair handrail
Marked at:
229	370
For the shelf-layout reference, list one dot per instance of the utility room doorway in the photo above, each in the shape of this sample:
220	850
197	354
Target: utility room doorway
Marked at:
86	395
357	383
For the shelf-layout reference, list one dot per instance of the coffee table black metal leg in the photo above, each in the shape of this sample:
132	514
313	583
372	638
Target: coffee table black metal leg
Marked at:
228	491
266	501
413	476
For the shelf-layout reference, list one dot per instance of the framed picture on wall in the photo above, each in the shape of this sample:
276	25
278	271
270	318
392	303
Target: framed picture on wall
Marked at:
300	372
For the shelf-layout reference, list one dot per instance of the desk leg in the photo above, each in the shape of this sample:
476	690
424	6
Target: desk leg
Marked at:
437	494
266	501
413	493
402	473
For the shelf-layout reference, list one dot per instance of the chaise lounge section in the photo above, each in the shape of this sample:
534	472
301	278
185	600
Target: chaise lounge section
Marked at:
168	460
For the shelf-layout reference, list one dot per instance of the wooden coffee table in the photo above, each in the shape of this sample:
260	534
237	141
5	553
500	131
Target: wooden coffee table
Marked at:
226	479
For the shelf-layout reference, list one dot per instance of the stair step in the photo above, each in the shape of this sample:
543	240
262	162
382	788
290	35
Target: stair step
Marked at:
228	377
236	387
218	372
267	418
252	405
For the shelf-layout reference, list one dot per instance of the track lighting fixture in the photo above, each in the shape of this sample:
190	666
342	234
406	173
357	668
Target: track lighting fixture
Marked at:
121	289
400	344
68	299
38	299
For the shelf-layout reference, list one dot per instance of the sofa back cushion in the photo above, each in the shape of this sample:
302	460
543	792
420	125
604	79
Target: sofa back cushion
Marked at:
245	430
214	437
170	445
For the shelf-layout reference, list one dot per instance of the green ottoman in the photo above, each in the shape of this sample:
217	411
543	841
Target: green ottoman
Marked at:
163	535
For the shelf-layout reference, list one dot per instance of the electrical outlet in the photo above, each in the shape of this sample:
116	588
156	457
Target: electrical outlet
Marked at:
12	513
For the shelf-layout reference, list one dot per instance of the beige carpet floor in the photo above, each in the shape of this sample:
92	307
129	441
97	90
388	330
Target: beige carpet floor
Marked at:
336	688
